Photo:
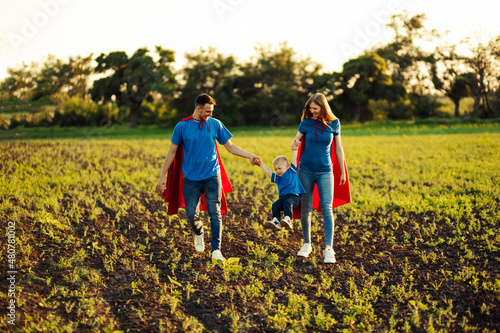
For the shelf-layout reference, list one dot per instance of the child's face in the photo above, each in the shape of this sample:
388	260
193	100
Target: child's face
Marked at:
280	168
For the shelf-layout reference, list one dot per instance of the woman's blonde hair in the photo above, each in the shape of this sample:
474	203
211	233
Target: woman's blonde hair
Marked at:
326	115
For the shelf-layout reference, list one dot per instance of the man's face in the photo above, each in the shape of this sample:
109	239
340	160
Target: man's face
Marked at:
205	111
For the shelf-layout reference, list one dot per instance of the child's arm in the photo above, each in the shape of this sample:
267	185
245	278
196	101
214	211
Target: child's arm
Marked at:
294	157
266	169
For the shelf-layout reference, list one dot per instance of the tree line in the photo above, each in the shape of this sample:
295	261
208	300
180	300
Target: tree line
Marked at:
396	80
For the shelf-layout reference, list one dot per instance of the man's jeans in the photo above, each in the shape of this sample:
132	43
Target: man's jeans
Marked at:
324	180
212	188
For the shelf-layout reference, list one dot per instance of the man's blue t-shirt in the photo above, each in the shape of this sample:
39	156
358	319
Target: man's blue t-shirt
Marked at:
200	160
316	155
288	182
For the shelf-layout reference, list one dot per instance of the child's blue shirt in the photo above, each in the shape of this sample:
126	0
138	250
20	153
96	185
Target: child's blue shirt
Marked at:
288	182
200	159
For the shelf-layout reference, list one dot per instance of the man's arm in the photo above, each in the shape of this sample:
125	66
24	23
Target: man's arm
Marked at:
266	169
160	187
237	151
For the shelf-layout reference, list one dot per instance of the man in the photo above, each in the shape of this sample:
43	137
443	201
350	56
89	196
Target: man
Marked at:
201	171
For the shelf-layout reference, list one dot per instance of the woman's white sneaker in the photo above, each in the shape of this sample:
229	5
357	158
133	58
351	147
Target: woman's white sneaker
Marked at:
305	251
329	255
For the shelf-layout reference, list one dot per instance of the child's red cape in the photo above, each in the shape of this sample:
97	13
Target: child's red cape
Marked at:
174	191
341	194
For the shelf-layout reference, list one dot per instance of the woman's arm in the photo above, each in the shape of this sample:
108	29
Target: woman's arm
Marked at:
339	151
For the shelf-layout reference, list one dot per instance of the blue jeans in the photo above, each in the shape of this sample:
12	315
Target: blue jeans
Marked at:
212	189
285	204
324	180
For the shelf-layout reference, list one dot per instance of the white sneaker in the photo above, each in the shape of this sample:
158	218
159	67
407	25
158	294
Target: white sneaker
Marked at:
217	255
305	251
329	255
199	243
287	223
274	224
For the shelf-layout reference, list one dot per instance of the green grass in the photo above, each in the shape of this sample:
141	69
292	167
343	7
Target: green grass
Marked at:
390	128
418	248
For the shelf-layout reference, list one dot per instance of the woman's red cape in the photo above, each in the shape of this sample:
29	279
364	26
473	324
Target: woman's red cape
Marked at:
174	191
341	193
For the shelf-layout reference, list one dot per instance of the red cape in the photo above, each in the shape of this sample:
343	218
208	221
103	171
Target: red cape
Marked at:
174	191
341	194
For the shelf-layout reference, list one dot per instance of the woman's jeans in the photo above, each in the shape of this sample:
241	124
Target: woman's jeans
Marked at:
212	189
324	180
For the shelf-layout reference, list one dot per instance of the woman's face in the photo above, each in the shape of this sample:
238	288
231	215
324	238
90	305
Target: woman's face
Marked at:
315	110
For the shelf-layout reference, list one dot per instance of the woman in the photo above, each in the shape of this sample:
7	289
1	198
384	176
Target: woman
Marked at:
320	157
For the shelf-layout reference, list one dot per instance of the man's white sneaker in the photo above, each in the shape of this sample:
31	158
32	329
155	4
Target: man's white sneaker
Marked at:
217	255
305	251
199	243
274	224
287	223
329	255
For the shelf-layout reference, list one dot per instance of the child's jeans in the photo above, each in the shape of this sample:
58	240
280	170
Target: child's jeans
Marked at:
212	189
286	204
324	180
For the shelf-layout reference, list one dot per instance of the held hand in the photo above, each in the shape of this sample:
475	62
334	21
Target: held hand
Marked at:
255	160
295	144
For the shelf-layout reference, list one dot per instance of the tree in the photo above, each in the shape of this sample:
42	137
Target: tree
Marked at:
484	65
405	57
207	71
130	80
275	85
448	75
52	76
80	71
362	79
19	82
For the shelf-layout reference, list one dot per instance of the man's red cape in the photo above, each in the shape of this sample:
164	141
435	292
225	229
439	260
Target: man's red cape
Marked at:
341	193
174	191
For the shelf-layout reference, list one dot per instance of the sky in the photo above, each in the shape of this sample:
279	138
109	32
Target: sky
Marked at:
330	32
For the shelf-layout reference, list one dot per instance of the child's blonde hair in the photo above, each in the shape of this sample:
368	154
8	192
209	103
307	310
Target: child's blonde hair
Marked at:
279	159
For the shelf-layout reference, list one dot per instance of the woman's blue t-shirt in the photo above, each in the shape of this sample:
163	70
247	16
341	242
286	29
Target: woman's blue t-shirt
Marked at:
200	160
316	155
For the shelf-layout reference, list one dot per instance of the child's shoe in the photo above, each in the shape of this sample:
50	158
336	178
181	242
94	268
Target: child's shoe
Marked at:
286	223
274	224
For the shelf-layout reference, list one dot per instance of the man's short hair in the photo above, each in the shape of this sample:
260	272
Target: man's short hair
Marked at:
203	99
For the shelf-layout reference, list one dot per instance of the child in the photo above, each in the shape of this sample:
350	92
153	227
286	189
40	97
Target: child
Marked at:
290	190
